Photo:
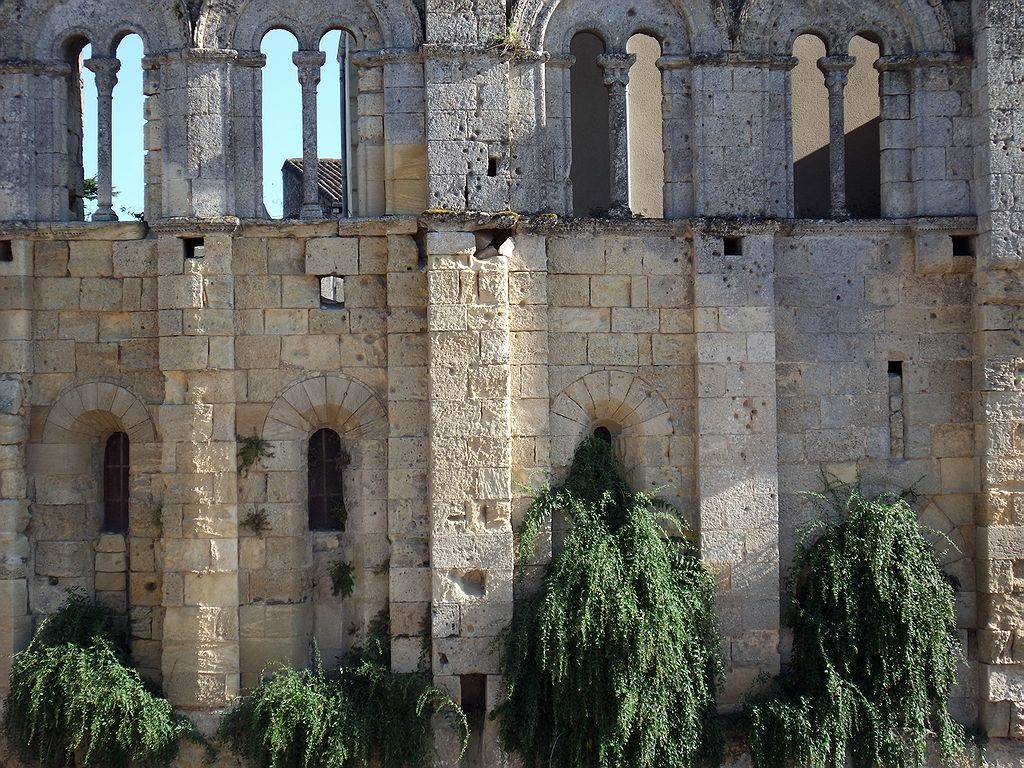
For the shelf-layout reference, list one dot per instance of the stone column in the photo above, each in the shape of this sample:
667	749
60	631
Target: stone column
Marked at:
308	63
200	512
471	546
737	451
105	70
16	300
616	78
837	70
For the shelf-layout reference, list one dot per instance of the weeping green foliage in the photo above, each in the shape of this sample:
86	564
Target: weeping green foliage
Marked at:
72	693
315	719
875	649
613	663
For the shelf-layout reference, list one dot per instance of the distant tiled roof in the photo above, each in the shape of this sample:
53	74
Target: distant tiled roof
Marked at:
330	176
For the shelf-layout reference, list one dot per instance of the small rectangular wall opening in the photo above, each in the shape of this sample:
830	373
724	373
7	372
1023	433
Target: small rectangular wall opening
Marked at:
6	251
963	245
193	247
473	690
332	292
897	420
733	246
492	166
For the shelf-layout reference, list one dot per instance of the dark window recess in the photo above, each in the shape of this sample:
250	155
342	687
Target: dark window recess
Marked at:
332	292
603	433
194	247
115	484
473	691
6	252
326	498
492	166
733	246
897	420
963	245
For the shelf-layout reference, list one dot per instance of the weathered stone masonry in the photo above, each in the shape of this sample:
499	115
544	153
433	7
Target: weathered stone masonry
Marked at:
733	351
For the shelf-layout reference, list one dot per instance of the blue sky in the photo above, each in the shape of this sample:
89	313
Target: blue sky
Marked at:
282	118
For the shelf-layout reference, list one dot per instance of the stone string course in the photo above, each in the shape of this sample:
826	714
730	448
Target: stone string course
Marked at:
734	352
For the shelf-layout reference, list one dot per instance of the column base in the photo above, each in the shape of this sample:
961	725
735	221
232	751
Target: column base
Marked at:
619	212
104	214
310	211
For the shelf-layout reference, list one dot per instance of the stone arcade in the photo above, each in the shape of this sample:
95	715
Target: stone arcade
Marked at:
733	350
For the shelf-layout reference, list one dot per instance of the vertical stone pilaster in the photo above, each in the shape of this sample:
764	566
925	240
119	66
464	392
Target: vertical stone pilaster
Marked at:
105	70
837	70
999	364
308	64
15	369
616	79
200	514
197	168
471	548
737	452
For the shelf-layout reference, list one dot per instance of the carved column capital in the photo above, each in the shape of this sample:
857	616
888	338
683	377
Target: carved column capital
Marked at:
836	70
308	63
616	67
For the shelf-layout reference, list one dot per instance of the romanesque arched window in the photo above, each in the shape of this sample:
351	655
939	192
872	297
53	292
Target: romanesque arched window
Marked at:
326	460
590	172
115	484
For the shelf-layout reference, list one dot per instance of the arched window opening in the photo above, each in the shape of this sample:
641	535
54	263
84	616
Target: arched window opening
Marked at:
337	113
603	434
282	126
115	484
81	132
645	129
326	461
810	130
590	172
863	117
129	125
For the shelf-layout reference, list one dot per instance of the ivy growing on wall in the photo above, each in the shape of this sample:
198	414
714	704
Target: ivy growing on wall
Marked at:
613	663
74	700
875	648
362	713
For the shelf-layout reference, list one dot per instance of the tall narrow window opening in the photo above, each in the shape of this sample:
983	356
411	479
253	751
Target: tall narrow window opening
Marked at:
129	125
81	132
115	484
590	173
336	108
326	498
646	129
810	130
282	126
863	118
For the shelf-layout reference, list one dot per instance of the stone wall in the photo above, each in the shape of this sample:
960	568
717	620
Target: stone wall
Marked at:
733	352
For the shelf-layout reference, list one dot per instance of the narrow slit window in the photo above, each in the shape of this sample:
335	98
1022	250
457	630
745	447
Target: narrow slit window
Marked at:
332	292
326	499
6	252
897	420
193	247
115	484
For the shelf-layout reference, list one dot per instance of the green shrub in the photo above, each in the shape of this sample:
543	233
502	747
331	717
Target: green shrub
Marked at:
613	663
73	693
315	719
875	648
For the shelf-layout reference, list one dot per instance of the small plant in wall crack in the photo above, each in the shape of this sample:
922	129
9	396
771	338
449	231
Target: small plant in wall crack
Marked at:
251	450
342	578
257	521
